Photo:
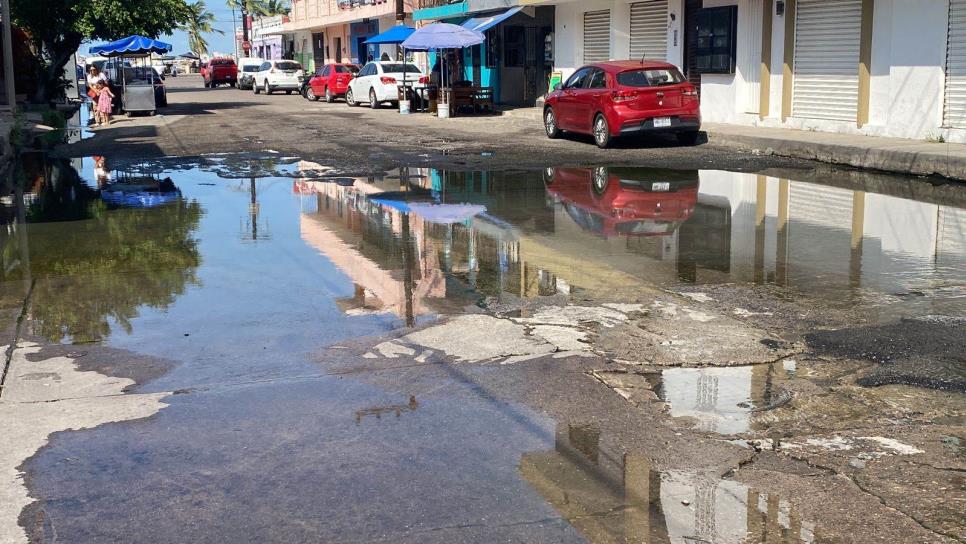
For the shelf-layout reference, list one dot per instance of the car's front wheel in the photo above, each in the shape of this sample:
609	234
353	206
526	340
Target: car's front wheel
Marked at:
373	102
350	98
267	88
255	88
550	123
310	94
601	131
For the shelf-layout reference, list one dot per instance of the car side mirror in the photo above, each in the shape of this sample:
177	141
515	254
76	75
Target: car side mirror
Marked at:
557	86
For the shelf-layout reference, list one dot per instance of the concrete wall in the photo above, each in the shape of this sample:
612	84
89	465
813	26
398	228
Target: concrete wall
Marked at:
908	76
569	32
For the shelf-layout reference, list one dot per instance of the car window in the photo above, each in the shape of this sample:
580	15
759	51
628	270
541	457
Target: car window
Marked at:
288	65
249	68
343	69
324	72
265	66
653	77
576	81
597	80
368	70
398	68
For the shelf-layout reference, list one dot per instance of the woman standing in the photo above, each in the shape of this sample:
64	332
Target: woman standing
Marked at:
94	78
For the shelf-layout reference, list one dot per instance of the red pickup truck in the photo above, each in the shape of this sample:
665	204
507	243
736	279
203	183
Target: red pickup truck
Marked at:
220	71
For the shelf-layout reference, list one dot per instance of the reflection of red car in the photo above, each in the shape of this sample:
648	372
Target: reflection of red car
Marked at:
331	81
625	201
610	99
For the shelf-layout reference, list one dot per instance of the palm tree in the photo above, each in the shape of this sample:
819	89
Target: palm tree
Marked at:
247	7
275	7
199	23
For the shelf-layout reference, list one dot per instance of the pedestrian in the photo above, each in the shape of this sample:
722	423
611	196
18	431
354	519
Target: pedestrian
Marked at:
94	77
105	103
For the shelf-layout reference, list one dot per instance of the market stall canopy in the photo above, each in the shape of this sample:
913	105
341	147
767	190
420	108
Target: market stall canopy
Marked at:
394	35
442	36
132	45
482	24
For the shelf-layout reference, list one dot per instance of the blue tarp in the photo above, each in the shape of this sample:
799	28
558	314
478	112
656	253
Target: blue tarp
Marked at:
394	35
132	45
482	24
442	36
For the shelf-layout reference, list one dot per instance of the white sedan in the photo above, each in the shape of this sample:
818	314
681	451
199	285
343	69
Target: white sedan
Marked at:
379	82
277	75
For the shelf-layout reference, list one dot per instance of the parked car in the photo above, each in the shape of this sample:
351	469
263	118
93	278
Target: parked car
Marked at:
247	68
220	71
331	81
277	75
379	82
620	98
617	201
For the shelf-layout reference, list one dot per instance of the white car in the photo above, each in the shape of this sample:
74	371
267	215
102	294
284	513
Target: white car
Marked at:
277	75
247	68
379	82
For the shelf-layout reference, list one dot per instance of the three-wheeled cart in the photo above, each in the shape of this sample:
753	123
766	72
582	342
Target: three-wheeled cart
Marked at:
137	77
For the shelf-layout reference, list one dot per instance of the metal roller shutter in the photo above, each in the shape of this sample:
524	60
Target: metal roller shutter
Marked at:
826	66
649	30
955	106
952	232
596	36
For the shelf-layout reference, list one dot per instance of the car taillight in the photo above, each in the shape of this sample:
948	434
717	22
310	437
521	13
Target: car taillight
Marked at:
621	96
424	79
387	80
690	91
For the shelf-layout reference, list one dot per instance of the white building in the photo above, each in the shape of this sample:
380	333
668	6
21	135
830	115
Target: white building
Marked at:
877	67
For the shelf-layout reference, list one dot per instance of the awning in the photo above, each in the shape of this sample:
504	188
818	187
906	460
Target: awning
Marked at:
394	35
482	24
132	45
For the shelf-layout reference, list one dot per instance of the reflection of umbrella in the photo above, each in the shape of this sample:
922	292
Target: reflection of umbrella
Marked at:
443	214
139	199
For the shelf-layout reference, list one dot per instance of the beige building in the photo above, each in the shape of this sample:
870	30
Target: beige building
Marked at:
336	30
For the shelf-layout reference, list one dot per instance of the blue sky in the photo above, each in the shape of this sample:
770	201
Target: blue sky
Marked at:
216	42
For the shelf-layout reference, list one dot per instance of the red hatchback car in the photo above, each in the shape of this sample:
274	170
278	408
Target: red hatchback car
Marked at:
331	81
620	98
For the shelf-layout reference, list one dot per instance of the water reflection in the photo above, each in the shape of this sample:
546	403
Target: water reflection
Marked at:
722	400
527	234
613	497
94	255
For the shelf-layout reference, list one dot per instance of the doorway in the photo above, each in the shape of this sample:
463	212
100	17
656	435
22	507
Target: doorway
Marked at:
691	9
338	50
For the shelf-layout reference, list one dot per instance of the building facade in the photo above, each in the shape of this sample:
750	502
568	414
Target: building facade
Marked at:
876	67
335	30
269	40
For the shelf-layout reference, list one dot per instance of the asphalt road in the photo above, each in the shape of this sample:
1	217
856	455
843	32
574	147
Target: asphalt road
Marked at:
361	140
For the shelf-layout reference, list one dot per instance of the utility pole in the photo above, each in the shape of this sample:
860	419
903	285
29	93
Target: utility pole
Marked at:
10	88
234	33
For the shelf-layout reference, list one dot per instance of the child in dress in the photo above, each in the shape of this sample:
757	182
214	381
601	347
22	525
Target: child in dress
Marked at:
105	103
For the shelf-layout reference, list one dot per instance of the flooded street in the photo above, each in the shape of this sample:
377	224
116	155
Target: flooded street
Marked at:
602	354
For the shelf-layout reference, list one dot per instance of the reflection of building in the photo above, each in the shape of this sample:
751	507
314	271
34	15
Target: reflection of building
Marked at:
721	400
612	497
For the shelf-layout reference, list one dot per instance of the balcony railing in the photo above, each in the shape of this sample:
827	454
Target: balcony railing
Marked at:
423	4
350	4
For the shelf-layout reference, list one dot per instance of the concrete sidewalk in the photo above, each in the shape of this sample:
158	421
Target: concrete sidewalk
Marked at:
886	154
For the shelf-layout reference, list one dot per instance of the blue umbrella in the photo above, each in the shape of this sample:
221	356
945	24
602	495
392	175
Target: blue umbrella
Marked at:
132	45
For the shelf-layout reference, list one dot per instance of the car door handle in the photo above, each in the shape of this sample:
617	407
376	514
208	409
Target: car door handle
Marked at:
660	94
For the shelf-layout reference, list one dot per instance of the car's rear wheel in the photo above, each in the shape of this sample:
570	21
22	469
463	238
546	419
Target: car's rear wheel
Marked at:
232	84
328	95
255	88
601	131
688	138
599	180
550	123
350	99
373	103
288	92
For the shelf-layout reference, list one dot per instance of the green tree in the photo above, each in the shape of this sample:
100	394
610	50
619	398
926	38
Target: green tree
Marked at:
257	8
58	27
276	7
199	23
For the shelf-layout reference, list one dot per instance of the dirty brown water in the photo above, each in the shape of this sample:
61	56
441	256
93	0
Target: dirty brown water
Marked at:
240	269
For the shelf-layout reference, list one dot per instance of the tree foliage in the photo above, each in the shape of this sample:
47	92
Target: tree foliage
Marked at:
199	23
58	27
